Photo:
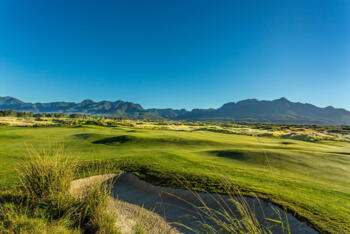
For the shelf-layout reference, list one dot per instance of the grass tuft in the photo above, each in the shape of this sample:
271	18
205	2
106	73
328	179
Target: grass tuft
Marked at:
15	219
232	213
46	175
45	179
91	213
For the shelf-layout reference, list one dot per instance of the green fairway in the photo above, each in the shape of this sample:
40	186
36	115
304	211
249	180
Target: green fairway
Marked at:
309	178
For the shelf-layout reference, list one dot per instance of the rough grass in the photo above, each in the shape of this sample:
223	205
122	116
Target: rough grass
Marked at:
46	175
16	220
311	179
45	199
91	211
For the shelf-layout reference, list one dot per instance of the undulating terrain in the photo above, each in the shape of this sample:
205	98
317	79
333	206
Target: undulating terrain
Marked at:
304	169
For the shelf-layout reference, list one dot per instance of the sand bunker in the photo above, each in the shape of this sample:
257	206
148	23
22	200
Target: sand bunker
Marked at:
173	205
130	217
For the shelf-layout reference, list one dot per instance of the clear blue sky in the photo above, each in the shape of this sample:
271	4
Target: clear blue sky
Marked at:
178	53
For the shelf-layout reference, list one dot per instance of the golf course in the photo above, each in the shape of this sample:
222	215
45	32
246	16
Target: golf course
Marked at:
175	117
310	179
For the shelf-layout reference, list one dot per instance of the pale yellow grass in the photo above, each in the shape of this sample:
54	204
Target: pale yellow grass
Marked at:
15	121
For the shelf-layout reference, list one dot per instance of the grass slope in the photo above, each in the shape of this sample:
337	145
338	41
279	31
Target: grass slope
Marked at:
311	179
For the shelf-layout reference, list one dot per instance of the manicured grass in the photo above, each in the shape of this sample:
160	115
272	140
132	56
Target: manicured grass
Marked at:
311	179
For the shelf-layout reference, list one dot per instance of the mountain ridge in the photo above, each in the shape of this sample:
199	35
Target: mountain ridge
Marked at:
280	111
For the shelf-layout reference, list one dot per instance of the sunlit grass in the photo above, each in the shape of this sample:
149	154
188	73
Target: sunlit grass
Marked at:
311	179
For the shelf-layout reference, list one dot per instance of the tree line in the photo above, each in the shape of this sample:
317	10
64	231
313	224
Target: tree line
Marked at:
23	114
12	113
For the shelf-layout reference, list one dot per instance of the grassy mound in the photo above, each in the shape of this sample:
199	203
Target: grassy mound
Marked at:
231	154
132	139
87	136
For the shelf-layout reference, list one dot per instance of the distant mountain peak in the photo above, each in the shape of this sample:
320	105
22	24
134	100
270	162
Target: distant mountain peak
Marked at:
9	101
282	99
88	106
87	101
249	100
280	111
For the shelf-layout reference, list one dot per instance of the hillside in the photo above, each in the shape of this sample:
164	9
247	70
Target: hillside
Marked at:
279	111
115	109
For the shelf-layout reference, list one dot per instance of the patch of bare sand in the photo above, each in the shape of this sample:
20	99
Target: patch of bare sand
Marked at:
130	218
180	206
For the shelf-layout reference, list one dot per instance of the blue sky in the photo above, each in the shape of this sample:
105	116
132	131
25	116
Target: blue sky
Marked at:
180	54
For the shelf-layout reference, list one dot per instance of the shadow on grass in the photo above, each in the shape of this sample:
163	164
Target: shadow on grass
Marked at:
343	153
231	154
117	139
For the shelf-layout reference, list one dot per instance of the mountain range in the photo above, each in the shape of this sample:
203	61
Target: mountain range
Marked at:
280	111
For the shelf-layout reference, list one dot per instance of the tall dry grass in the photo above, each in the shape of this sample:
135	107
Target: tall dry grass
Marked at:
45	177
236	215
91	211
45	180
231	213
